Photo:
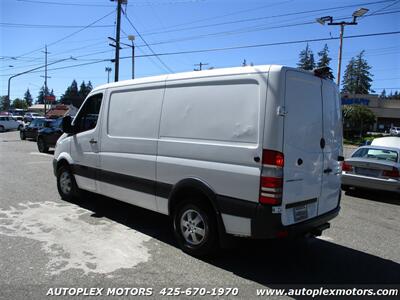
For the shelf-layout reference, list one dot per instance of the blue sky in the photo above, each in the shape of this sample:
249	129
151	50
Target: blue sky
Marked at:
171	26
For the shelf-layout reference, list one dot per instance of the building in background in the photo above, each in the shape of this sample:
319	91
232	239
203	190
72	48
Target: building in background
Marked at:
386	111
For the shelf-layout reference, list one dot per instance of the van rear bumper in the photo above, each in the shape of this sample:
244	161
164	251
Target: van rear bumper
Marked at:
267	225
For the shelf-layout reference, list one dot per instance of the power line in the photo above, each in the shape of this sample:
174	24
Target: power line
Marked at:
250	29
67	36
271	44
63	3
381	9
87	26
49	26
235	48
148	46
263	18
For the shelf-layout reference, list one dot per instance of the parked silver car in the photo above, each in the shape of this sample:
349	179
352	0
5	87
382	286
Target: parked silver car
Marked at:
372	167
8	123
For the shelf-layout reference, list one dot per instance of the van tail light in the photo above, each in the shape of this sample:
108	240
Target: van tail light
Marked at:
394	173
347	167
271	185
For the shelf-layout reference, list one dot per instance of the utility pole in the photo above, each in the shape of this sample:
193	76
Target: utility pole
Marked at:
200	65
45	80
356	14
108	70
117	37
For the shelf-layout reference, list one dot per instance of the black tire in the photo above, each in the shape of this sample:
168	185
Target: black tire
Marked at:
20	127
2	129
68	192
345	188
22	135
195	244
42	146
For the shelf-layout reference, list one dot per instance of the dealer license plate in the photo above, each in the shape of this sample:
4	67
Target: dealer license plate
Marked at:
300	213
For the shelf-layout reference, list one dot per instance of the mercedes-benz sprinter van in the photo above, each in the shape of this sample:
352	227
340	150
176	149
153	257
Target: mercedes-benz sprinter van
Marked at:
250	151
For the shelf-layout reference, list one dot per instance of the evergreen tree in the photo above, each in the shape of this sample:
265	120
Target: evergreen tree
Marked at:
89	88
82	91
357	78
4	103
383	94
306	59
324	61
71	95
40	97
28	98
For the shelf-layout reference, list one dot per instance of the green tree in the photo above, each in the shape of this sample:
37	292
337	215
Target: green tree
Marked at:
357	78
40	97
324	61
4	103
71	95
358	118
28	98
383	94
19	103
306	59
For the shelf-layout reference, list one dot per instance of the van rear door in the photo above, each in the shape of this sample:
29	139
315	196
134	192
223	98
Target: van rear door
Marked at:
332	129
304	161
312	146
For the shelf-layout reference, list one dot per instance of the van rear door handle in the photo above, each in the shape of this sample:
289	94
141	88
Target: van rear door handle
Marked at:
93	141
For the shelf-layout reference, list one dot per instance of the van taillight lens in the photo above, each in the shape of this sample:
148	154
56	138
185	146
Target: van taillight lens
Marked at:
271	184
347	167
394	173
274	158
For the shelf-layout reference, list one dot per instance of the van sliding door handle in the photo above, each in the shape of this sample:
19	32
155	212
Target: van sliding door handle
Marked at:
93	141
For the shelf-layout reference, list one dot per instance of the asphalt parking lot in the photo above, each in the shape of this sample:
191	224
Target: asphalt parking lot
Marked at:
46	242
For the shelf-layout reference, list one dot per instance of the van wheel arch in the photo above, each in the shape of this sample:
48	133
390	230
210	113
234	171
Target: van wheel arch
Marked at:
191	187
61	163
195	189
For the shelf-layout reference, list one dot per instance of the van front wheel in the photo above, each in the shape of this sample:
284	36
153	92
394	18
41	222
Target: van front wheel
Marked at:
66	184
195	228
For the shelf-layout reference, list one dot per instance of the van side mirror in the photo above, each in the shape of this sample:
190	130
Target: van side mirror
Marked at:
66	125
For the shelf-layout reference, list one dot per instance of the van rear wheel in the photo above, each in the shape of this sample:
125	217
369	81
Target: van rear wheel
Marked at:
195	228
66	184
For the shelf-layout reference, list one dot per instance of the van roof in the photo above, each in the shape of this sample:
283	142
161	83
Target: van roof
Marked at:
198	74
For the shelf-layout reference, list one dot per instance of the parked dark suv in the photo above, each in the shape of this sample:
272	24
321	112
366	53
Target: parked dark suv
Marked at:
30	131
48	136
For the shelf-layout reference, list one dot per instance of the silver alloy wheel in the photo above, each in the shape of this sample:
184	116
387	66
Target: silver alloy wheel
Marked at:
193	227
65	182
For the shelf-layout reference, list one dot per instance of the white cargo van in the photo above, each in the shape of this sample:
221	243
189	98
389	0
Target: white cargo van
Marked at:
251	151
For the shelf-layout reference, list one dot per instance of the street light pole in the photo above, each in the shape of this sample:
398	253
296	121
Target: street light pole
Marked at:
31	70
358	13
108	70
132	38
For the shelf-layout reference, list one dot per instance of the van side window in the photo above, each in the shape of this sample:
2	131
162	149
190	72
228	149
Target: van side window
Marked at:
88	115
